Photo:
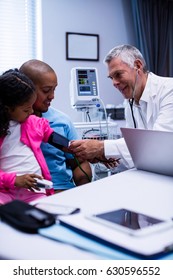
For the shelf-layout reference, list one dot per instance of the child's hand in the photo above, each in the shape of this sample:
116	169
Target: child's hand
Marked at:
28	181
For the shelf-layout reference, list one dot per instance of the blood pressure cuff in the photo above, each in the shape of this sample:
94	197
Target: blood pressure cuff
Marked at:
59	141
25	217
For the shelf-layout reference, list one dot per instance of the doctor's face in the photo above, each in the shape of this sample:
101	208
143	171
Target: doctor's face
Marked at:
123	77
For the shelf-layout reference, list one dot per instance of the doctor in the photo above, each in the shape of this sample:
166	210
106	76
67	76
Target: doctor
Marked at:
149	103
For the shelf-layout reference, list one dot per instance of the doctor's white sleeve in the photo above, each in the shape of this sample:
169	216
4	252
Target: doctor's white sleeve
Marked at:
118	149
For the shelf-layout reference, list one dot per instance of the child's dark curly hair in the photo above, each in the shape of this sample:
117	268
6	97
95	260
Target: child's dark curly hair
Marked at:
15	89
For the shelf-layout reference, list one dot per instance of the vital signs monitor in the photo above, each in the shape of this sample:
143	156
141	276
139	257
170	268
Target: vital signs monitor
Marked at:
84	87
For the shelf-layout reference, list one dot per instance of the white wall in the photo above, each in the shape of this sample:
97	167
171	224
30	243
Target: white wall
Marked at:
111	19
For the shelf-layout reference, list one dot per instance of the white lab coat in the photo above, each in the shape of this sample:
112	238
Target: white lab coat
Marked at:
157	106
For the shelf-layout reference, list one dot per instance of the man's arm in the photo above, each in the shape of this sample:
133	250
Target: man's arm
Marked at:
80	177
82	173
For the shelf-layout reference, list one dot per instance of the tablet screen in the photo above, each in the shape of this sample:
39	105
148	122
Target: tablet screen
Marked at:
129	219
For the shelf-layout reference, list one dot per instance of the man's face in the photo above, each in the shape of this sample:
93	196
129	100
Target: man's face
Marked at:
122	76
45	87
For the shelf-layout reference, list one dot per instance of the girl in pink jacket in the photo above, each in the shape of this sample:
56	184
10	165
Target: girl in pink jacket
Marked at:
21	134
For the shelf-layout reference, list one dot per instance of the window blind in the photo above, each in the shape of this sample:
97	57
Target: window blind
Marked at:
18	32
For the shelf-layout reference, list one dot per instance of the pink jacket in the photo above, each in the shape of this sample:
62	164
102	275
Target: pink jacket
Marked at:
33	131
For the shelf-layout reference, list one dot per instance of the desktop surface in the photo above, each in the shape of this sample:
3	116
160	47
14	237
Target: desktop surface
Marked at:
138	190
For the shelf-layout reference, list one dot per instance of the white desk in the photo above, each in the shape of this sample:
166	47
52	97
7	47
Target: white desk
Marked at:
138	190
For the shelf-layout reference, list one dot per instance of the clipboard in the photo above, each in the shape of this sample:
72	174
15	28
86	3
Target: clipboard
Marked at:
71	237
153	246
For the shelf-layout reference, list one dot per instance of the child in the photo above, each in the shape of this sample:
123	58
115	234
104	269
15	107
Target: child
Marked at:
21	134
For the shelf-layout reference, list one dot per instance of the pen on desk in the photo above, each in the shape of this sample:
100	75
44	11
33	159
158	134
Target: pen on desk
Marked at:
56	209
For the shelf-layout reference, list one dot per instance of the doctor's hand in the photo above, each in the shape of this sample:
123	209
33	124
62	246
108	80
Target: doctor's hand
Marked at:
87	149
108	162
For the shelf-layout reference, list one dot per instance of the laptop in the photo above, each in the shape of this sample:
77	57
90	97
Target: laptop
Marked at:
150	150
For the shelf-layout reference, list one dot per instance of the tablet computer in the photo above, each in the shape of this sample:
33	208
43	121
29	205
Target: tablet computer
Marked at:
131	222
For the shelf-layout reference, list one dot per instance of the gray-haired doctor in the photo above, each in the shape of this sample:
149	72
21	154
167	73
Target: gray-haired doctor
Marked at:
149	103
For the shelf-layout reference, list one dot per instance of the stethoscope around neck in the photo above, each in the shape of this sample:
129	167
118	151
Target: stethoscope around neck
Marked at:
131	100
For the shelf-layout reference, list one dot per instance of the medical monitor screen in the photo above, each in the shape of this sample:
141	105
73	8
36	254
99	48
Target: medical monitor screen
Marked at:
87	82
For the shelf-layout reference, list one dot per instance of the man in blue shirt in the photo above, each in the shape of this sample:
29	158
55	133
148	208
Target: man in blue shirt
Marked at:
63	167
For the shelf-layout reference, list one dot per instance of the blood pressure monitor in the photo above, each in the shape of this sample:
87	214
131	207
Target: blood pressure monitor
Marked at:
84	87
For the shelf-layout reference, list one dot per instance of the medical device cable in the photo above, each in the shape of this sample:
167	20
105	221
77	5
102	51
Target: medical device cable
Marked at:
78	163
